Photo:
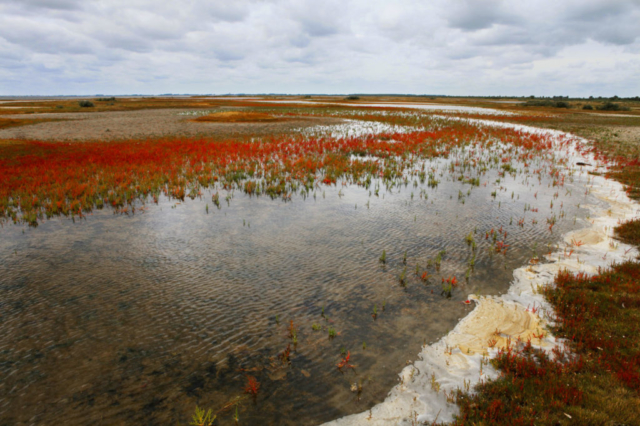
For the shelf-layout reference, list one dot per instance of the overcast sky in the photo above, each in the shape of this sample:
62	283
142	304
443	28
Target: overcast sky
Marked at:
452	47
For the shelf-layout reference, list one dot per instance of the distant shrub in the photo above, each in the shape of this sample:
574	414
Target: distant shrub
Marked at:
59	106
547	103
587	106
542	103
86	104
352	98
111	99
610	106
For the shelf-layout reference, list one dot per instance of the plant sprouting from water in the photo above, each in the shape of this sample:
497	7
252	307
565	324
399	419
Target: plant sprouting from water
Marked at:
403	277
202	417
252	386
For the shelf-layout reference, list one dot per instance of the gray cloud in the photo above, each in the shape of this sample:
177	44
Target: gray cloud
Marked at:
543	47
472	15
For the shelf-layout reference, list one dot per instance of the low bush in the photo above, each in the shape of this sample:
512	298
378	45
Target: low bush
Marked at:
111	99
610	106
86	104
587	106
352	98
547	103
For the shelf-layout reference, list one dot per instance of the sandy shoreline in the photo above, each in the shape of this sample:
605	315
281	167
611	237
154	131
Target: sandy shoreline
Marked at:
461	358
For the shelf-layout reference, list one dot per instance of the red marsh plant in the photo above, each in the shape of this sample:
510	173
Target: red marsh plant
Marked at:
40	180
594	380
252	386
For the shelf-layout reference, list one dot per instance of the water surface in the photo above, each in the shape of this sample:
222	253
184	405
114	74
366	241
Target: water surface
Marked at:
118	319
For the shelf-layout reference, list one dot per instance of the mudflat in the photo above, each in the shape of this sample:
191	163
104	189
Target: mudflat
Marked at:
142	124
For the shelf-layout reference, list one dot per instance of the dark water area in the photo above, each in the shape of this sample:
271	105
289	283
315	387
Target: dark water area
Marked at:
118	319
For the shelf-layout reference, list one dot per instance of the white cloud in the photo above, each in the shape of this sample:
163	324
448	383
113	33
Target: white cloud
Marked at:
475	47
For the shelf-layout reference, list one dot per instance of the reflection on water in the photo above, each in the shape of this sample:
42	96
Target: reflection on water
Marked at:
136	319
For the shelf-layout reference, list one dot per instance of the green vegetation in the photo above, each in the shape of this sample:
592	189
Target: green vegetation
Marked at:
547	103
610	106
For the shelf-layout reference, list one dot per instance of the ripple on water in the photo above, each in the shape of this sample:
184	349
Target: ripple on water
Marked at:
138	318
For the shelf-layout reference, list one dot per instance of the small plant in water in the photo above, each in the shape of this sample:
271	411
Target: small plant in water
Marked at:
293	332
439	258
374	314
345	362
383	258
470	240
285	356
202	418
332	332
252	387
236	417
403	277
447	286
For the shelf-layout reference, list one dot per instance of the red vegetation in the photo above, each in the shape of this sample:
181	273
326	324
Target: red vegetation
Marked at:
345	362
45	179
252	387
599	317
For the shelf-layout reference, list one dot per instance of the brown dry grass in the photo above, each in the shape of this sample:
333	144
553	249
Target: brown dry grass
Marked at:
238	117
6	123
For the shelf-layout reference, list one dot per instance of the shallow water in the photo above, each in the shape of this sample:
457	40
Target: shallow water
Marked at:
123	319
411	105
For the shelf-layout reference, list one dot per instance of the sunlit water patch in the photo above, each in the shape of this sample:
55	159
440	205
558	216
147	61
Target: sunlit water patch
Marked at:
357	128
411	105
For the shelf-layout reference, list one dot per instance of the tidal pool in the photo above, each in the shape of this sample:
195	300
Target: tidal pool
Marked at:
124	319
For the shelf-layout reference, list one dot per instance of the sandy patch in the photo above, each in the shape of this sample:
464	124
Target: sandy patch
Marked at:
614	115
142	124
237	117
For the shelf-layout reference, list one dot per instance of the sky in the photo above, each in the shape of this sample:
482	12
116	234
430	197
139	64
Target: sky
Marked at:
447	47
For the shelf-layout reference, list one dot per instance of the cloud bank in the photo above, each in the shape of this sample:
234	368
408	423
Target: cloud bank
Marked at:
453	47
